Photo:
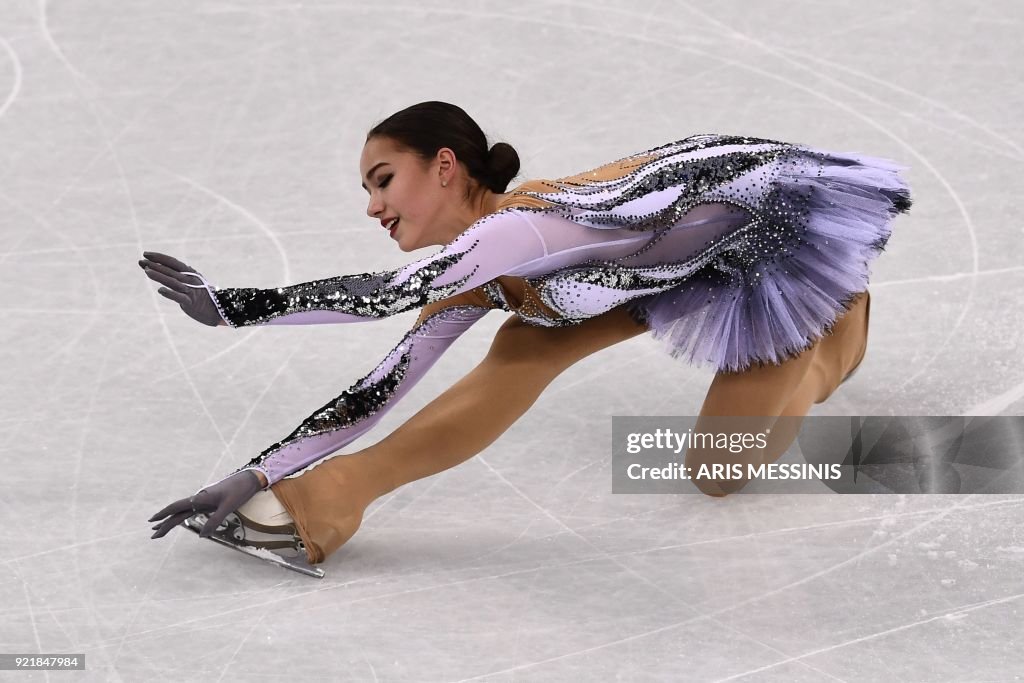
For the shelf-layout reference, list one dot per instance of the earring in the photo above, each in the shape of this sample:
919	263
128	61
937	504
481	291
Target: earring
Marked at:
444	183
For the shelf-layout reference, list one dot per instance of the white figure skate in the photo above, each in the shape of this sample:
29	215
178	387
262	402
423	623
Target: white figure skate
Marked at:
259	528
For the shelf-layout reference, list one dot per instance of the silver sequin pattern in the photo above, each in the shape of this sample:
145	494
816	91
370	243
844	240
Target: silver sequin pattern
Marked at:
367	294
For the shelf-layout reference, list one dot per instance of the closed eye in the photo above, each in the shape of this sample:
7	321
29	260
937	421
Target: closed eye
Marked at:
387	179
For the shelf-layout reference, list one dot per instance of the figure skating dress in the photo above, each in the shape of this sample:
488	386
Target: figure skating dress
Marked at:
733	250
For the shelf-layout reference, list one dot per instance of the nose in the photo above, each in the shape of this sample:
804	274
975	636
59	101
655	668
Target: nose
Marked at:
375	208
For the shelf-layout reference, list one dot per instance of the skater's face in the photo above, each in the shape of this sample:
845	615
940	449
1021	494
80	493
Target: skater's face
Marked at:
402	185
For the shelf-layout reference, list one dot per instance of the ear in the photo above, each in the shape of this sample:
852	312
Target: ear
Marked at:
446	163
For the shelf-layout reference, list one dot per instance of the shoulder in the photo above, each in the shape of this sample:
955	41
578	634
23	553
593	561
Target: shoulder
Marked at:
525	195
530	194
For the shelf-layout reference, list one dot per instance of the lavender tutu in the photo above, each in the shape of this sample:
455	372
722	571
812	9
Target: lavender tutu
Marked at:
833	211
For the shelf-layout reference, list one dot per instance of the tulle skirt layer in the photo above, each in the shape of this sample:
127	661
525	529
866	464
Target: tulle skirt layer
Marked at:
735	316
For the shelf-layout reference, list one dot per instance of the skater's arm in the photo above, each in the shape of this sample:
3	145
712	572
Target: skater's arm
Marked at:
495	245
509	242
355	411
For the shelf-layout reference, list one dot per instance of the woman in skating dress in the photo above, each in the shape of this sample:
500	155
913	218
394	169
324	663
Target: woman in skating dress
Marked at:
745	254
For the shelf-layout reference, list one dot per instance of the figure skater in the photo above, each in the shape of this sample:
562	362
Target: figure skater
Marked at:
747	254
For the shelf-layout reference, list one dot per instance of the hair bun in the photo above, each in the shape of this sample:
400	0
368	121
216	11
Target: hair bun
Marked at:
426	127
503	165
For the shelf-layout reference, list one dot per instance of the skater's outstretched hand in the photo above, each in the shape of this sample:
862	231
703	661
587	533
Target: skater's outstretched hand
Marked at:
218	501
182	285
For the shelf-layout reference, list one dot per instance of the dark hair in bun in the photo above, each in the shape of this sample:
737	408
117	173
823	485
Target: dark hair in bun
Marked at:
426	127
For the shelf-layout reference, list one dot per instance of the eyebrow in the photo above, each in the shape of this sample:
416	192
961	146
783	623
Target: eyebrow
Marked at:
370	172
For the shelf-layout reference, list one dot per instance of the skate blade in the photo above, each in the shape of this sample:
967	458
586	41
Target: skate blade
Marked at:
223	536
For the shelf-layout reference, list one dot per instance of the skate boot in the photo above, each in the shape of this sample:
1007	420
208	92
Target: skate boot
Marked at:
266	523
261	528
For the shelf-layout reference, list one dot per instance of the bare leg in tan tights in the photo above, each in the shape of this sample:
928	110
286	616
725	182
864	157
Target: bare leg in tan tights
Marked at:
328	501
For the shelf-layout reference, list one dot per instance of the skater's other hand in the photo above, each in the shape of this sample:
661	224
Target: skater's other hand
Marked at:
218	501
182	285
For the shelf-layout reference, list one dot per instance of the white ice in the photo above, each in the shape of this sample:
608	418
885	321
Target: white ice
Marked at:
228	135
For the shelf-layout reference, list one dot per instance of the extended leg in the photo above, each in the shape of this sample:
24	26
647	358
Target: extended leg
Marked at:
328	501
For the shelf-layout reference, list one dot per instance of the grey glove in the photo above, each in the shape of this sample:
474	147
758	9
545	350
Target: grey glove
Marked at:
221	500
183	285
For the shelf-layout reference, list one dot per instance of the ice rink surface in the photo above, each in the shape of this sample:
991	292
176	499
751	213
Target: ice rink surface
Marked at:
228	135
